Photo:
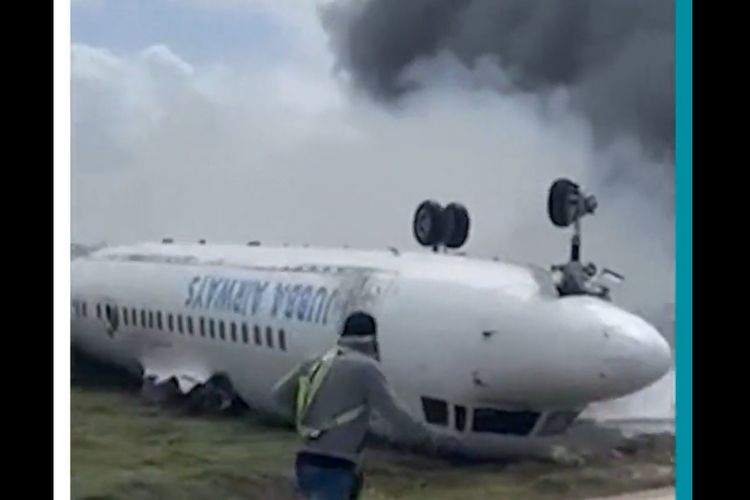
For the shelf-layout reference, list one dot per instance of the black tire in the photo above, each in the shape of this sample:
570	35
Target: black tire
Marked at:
456	223
561	211
428	223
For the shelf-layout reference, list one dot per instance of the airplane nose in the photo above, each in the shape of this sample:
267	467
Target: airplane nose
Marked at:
636	354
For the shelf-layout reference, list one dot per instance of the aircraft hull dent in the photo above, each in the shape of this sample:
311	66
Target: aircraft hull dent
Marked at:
256	312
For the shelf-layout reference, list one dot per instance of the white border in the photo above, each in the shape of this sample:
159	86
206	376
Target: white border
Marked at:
61	230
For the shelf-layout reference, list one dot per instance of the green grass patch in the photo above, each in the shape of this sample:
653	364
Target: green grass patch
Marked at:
124	450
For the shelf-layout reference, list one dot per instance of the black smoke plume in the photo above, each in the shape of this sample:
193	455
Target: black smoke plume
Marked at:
615	57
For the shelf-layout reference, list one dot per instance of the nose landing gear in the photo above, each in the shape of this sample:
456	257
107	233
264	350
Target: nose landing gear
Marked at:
566	206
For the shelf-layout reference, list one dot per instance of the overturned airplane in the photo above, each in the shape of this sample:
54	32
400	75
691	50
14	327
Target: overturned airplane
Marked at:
503	357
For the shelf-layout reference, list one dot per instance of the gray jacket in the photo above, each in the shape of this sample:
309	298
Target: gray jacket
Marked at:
355	378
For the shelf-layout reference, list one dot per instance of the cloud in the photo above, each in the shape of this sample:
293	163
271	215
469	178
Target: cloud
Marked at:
163	59
97	4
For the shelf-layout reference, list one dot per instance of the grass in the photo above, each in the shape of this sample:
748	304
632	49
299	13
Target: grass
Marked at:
122	449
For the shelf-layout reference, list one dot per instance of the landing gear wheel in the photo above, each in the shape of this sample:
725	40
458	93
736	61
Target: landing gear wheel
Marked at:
456	221
428	223
561	202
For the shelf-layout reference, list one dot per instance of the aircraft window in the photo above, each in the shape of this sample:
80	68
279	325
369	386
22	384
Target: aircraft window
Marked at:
125	316
435	411
233	329
83	309
459	414
282	339
221	330
211	329
518	423
143	318
99	311
190	324
158	320
107	313
245	336
256	332
203	326
170	322
269	336
179	323
151	319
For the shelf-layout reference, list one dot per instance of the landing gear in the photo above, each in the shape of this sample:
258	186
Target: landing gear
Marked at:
436	227
566	206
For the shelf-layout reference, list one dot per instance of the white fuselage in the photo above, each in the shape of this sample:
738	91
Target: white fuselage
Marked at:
505	361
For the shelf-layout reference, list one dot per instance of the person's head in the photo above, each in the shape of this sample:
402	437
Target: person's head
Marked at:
360	332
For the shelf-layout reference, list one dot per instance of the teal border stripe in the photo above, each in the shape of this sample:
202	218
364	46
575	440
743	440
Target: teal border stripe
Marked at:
684	245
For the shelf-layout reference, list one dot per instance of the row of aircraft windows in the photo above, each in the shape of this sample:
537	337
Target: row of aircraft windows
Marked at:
202	326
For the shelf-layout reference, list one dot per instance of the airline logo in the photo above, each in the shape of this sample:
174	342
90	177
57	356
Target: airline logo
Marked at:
302	302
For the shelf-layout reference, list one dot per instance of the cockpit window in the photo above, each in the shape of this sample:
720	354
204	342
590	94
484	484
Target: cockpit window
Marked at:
435	410
459	417
518	423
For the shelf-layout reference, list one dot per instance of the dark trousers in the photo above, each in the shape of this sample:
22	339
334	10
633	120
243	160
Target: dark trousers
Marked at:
320	477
